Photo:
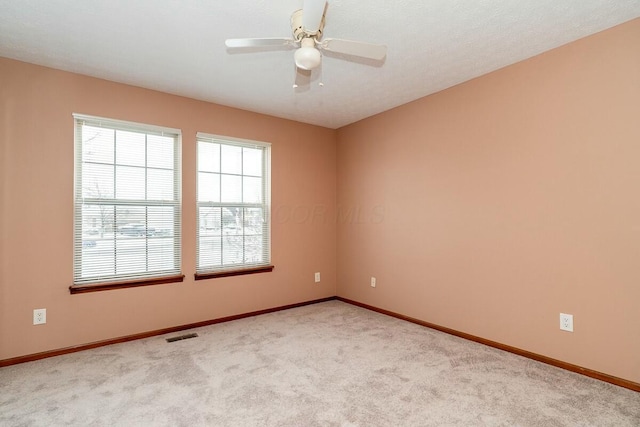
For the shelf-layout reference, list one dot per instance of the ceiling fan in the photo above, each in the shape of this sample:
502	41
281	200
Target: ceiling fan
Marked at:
307	25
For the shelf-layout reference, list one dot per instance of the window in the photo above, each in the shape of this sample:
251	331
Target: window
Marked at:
127	204
233	206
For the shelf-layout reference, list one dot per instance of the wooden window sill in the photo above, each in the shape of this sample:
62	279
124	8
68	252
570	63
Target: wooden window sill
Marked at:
81	289
238	272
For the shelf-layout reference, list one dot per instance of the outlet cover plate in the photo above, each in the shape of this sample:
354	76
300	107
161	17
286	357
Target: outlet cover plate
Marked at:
566	322
317	277
39	316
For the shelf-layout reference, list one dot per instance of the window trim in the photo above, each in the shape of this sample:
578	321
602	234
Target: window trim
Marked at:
122	125
248	268
85	288
237	272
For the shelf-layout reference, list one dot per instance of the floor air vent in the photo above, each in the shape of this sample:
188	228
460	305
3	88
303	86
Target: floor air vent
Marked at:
181	337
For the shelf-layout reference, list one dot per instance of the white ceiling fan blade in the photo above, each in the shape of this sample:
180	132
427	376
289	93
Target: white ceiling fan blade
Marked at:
350	47
312	12
263	42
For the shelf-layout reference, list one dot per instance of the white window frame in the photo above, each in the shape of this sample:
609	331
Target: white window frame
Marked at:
147	275
218	270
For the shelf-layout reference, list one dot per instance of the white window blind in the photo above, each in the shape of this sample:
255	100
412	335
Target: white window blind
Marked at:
127	201
233	197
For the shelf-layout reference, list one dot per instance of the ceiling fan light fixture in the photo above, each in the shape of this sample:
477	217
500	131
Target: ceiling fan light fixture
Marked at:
307	25
307	58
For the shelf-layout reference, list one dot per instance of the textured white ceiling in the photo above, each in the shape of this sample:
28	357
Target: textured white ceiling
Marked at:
178	46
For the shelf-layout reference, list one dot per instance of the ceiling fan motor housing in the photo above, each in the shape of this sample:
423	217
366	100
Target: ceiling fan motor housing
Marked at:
298	29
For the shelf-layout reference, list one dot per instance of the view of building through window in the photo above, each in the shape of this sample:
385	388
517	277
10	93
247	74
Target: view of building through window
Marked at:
127	218
233	196
127	210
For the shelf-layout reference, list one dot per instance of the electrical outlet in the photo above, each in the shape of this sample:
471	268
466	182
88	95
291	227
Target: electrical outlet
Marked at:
566	322
317	277
373	282
39	316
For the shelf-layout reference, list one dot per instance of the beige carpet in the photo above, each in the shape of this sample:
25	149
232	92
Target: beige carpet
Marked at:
328	364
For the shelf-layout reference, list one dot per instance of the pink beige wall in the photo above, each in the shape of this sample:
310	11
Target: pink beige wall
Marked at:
36	160
507	200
